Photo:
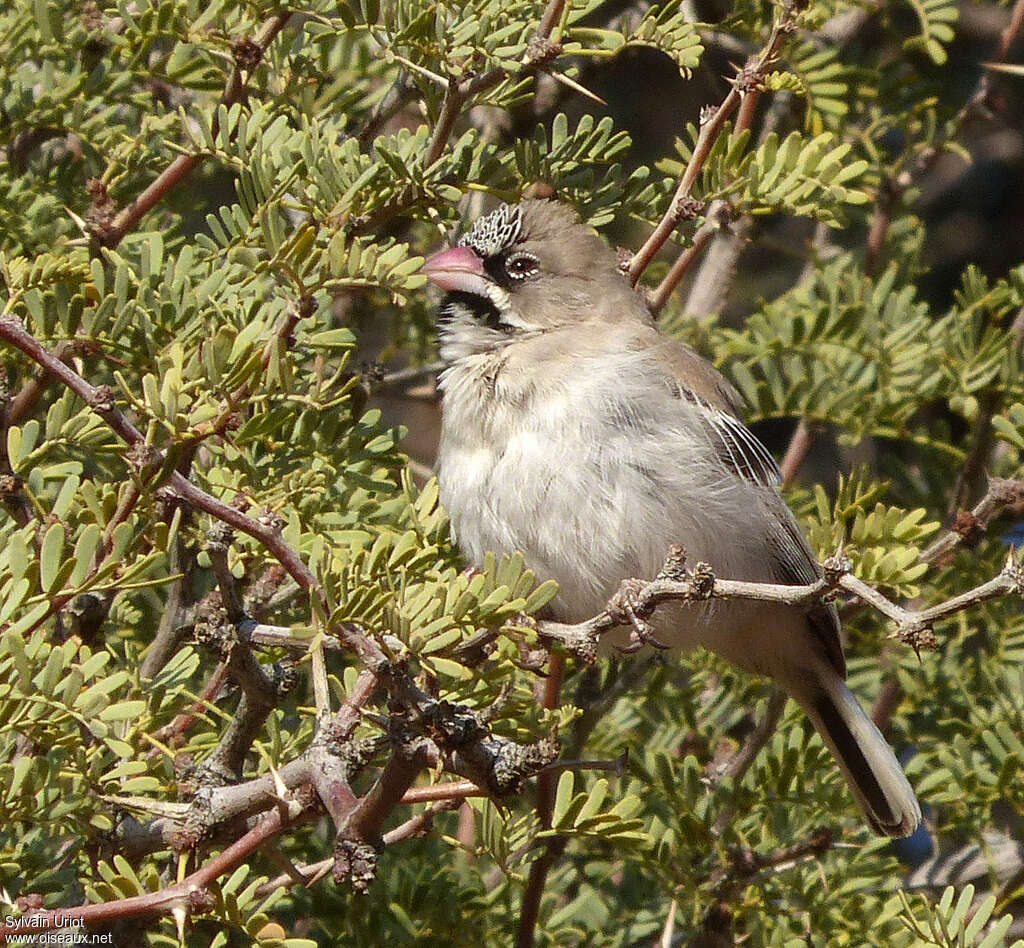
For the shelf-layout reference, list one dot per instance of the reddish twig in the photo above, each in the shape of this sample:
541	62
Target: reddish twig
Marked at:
459	93
458	790
530	910
893	190
265	532
711	127
716	217
182	166
799	444
184	897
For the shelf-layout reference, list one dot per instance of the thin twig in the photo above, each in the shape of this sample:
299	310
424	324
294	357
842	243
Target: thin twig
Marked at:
411	374
714	220
742	760
711	127
745	864
182	897
670	924
309	874
264	531
457	790
182	166
530	910
799	444
678	584
459	93
893	190
970	526
400	93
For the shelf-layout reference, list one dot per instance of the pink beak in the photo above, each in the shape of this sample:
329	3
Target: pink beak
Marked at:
456	269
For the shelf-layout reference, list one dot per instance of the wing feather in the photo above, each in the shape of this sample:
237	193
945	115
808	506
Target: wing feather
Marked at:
699	383
719	404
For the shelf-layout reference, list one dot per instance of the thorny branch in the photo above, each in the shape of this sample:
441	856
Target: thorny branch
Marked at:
745	864
716	218
108	229
893	189
182	898
361	819
677	583
264	530
712	124
249	54
459	93
432	732
970	526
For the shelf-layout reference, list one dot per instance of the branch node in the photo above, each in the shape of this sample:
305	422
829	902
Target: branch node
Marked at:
102	211
674	567
219	538
356	861
749	79
541	50
247	54
101	398
707	114
1013	572
835	568
272	521
687	209
627	607
11	487
917	634
703	581
969	527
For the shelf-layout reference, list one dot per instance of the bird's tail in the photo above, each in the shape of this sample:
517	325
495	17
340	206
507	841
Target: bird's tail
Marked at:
875	776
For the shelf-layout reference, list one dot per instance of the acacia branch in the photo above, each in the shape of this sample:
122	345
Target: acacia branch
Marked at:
716	218
893	189
745	864
970	526
529	912
712	124
183	897
741	761
459	93
799	445
676	583
248	55
307	875
264	530
454	792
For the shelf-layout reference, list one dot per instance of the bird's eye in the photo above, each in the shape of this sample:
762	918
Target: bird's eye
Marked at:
519	266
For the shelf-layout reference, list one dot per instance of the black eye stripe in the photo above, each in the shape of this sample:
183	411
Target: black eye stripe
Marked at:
495	268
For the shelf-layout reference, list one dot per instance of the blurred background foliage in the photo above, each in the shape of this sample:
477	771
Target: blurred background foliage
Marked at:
258	315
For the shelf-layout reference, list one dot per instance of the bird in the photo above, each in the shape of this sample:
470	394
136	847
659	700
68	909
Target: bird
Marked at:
578	434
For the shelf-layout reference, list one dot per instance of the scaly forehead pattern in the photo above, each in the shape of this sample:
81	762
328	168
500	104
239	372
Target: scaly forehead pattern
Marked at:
498	231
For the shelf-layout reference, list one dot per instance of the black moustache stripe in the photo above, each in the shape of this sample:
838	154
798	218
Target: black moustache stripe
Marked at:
459	303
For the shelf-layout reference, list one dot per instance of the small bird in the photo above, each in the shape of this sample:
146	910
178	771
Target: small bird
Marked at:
575	432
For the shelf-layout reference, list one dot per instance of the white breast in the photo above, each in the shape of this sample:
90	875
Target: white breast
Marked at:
591	472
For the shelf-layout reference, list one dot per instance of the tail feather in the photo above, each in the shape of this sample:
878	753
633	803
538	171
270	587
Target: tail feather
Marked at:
875	776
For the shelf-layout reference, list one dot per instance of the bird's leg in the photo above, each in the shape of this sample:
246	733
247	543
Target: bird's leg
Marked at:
627	607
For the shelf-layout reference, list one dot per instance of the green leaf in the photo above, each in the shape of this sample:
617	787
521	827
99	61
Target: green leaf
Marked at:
51	555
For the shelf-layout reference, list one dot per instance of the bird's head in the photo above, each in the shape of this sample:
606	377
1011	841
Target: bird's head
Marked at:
523	269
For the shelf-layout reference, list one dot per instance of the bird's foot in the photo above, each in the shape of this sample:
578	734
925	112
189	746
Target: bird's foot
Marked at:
626	607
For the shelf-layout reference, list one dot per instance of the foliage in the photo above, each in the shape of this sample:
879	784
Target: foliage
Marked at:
232	323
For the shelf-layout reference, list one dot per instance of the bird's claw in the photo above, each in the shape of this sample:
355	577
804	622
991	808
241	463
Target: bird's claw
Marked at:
626	608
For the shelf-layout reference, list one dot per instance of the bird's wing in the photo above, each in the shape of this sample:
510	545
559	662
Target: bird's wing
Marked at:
796	565
720	405
741	450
